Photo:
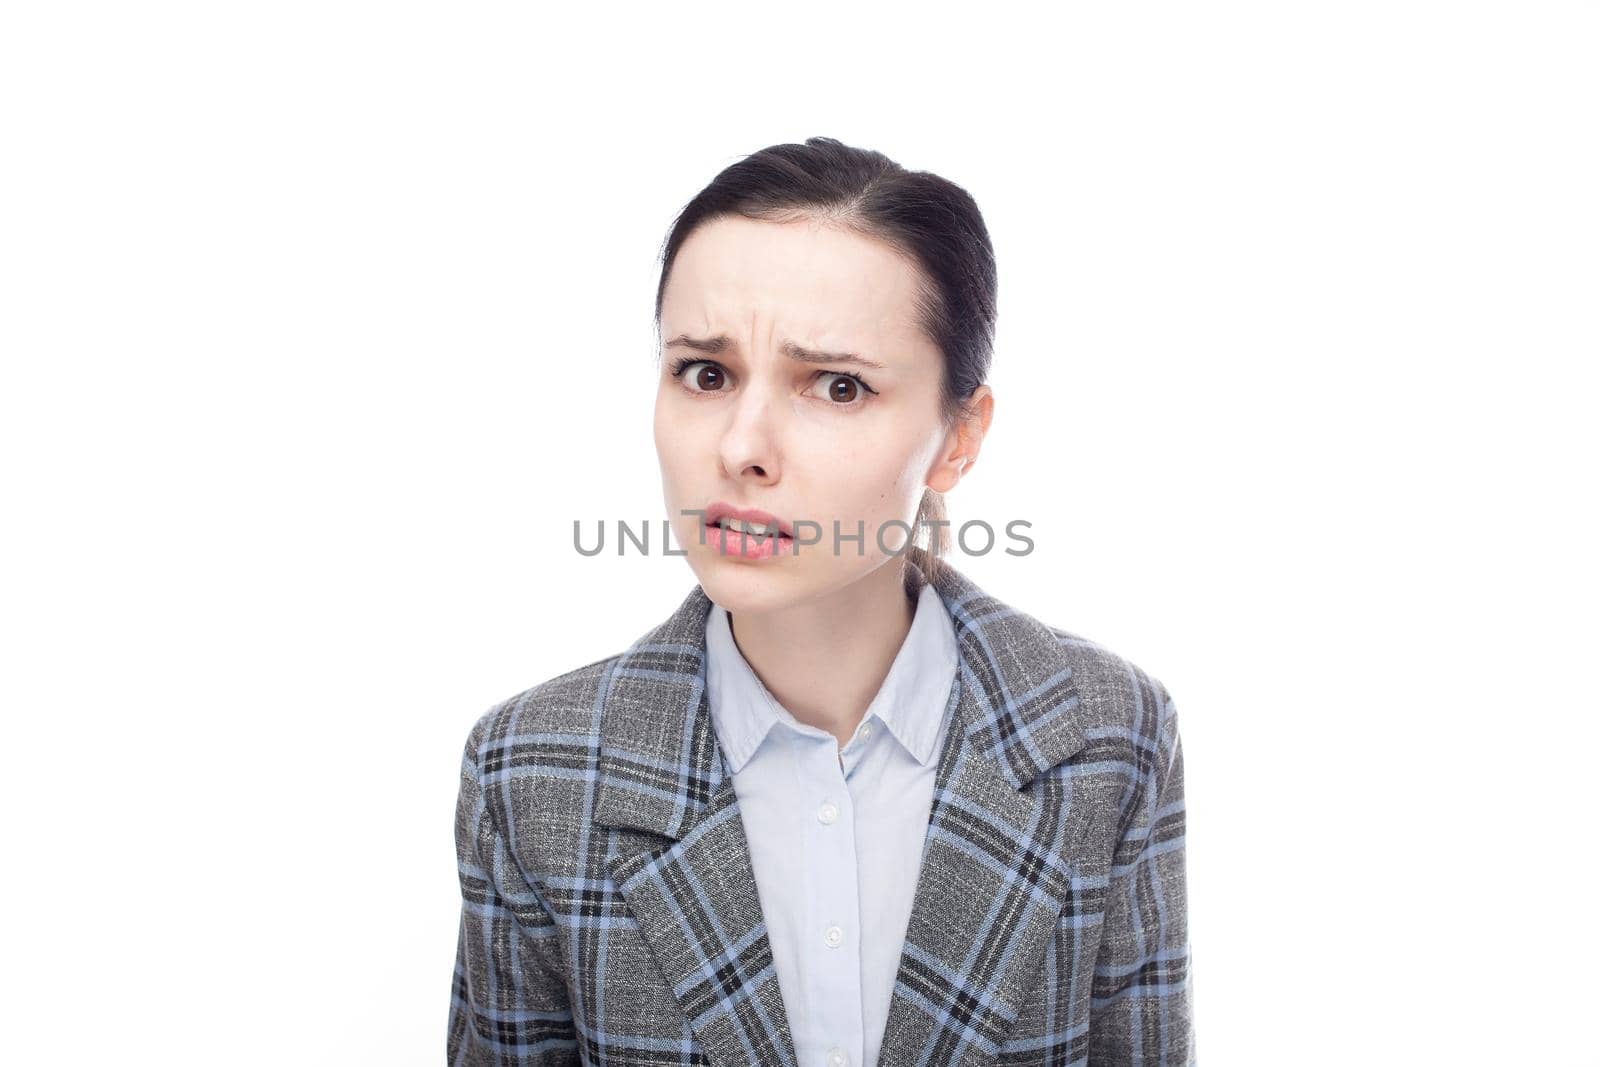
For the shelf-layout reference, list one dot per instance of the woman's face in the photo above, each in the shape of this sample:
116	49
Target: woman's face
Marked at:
761	413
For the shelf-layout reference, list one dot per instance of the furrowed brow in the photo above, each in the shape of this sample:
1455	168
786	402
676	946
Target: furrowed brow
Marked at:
722	343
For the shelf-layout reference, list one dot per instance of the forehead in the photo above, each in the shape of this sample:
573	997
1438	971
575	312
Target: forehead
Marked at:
807	279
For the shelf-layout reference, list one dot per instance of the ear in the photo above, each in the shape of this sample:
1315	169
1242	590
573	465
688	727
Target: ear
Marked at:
960	448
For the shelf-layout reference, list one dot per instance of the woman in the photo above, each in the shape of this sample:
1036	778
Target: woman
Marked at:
842	807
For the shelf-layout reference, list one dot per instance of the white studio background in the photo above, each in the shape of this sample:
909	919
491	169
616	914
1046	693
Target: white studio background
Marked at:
322	322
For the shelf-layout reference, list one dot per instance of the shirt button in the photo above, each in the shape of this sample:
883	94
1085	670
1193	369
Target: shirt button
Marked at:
866	730
837	1058
833	936
828	813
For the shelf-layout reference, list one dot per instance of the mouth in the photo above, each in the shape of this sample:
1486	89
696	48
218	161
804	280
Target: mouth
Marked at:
749	529
748	533
752	522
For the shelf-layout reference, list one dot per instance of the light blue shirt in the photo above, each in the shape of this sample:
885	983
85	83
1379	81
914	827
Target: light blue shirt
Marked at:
835	834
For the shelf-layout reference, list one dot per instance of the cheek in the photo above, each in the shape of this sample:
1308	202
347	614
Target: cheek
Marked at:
669	456
881	484
670	435
662	425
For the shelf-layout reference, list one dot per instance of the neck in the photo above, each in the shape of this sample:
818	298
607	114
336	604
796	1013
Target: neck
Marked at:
824	660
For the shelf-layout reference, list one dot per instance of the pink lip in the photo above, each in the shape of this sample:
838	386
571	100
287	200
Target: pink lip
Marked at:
719	510
746	546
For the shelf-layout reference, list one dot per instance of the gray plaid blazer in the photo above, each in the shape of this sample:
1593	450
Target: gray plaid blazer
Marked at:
610	914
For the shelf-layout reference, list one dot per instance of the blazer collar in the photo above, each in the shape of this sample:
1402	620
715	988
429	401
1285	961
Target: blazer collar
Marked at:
662	774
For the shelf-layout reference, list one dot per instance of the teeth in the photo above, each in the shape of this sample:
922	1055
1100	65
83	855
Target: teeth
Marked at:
758	528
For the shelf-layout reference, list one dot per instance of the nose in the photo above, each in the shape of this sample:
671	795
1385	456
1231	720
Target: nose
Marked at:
749	448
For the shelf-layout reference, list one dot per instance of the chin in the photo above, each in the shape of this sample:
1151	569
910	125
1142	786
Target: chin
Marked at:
753	587
764	586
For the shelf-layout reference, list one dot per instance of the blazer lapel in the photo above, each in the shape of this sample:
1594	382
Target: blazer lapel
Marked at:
993	881
693	895
996	876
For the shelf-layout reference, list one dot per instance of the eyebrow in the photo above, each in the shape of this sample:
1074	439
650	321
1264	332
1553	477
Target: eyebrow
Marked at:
722	342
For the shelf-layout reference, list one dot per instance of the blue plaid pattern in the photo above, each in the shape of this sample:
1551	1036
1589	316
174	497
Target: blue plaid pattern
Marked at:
610	913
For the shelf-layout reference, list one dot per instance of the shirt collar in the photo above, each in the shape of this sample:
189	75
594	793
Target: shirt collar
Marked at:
911	702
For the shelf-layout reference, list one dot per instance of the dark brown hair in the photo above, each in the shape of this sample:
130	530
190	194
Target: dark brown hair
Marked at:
929	219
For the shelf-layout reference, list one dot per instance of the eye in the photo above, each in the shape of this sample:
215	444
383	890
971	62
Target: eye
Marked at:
706	376
845	390
710	378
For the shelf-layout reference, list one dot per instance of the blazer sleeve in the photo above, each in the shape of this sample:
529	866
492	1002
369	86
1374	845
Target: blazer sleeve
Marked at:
509	1001
1141	1000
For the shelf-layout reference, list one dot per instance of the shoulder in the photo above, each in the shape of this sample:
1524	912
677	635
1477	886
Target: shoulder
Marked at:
1107	674
1083	716
563	705
528	761
1117	697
